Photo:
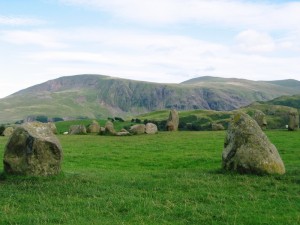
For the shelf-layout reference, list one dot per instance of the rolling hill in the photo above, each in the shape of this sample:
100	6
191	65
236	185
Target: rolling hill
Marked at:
286	100
98	96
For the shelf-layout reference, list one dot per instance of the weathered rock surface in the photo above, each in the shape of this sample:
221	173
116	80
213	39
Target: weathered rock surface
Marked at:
137	129
123	133
77	129
123	130
109	128
53	128
293	120
33	150
102	130
8	131
151	128
173	121
260	118
94	127
248	150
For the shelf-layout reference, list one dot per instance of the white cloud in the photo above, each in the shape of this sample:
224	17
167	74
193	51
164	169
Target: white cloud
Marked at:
255	42
132	50
228	13
154	55
290	42
43	38
115	47
158	57
123	52
19	21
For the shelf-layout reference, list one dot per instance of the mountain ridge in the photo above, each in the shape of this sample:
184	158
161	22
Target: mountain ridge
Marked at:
99	96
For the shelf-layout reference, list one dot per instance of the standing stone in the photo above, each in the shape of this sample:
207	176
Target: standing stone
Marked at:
173	121
77	129
260	118
248	150
8	131
217	127
52	127
33	150
102	130
123	132
137	129
109	128
94	127
151	128
293	120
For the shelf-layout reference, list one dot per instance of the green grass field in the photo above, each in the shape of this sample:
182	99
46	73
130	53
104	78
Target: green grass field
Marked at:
168	178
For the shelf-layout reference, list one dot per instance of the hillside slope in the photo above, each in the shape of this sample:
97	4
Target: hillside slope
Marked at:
291	101
97	96
286	83
270	88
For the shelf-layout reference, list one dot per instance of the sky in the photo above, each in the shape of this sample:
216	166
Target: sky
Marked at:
165	41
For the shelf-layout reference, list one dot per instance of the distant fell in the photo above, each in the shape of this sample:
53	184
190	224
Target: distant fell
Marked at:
65	83
204	79
291	83
199	80
99	96
278	85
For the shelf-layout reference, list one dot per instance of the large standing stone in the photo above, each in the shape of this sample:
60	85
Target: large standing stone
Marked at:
94	127
260	118
151	128
109	128
137	129
293	120
173	121
33	150
77	129
248	150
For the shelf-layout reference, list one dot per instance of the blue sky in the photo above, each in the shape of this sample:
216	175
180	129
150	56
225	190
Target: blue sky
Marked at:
153	40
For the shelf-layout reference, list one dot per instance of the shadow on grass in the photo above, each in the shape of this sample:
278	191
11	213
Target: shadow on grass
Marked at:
291	177
3	176
244	173
19	178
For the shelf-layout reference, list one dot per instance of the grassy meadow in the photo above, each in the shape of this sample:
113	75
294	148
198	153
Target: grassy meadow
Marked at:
168	178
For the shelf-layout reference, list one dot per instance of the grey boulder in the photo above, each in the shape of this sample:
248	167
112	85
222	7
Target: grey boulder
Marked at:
33	150
248	150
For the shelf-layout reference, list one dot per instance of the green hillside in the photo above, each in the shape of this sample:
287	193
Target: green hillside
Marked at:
291	101
276	116
286	83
